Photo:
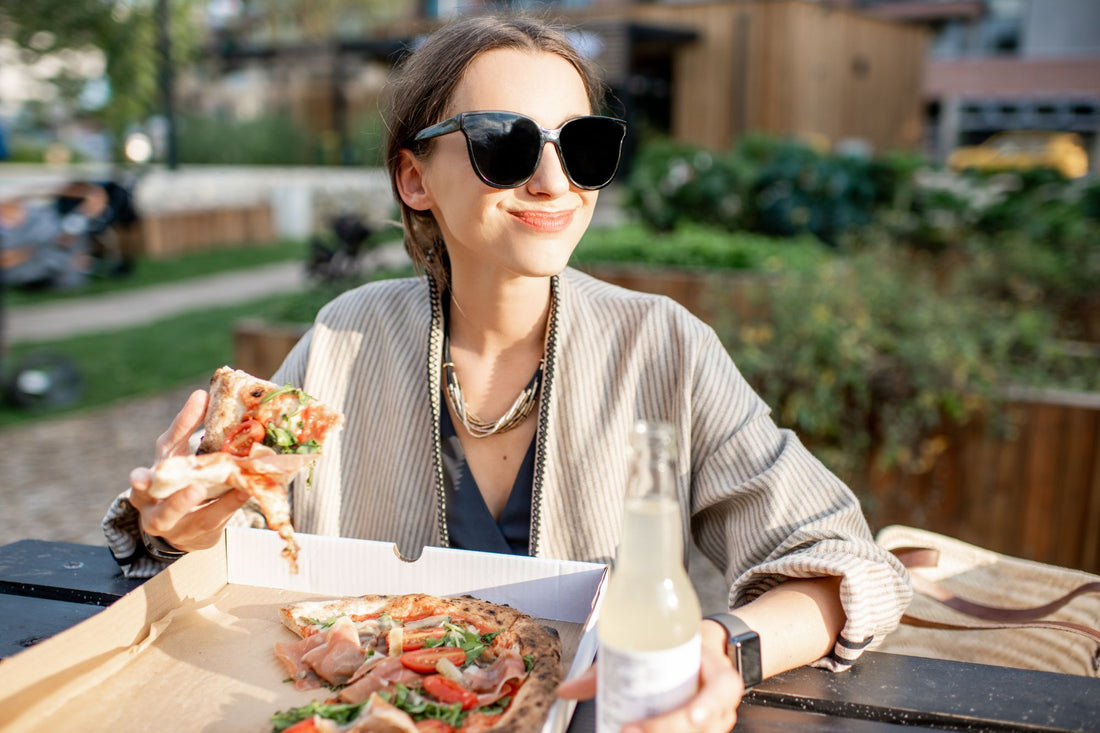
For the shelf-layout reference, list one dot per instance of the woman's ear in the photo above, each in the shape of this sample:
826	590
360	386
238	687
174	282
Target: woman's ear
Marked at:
410	182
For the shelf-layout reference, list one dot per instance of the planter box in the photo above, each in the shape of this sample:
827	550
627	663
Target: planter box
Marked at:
715	297
171	233
260	346
1030	488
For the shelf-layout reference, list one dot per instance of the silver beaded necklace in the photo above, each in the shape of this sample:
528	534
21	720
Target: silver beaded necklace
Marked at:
475	426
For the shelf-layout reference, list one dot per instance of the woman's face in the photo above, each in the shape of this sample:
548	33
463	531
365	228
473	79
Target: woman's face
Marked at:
529	231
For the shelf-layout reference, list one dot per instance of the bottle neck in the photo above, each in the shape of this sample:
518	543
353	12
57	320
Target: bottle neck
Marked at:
653	463
652	538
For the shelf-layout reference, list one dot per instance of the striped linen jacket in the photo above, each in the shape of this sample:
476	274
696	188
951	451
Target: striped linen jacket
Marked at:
756	502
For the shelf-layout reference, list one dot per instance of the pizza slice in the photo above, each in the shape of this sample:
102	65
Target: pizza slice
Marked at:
419	662
257	436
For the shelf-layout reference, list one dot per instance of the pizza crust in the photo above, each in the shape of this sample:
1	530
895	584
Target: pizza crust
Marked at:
231	393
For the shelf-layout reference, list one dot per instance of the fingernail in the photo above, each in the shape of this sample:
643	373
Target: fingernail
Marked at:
698	715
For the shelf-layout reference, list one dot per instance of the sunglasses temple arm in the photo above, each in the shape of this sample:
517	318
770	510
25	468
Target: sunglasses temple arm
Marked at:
448	125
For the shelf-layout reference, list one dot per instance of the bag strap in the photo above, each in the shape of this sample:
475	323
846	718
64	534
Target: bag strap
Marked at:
997	617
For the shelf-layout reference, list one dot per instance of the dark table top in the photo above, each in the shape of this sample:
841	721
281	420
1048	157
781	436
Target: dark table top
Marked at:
46	587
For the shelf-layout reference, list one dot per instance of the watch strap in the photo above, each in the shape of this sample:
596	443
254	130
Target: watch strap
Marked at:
742	647
159	548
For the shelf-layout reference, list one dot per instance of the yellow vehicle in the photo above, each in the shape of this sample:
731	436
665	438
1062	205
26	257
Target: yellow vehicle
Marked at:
1024	150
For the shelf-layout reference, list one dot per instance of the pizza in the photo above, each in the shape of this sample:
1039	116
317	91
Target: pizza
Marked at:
257	436
418	664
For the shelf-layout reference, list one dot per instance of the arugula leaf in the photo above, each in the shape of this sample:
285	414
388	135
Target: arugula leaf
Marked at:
285	389
342	714
323	623
279	438
419	708
529	662
470	642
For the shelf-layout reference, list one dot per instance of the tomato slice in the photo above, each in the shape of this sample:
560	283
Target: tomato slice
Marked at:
434	725
424	660
314	425
309	725
415	638
448	692
478	722
240	439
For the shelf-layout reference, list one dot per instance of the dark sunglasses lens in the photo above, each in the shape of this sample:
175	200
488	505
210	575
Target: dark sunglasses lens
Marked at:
590	148
503	148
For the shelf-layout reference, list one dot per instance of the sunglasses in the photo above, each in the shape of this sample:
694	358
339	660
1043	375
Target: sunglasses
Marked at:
505	147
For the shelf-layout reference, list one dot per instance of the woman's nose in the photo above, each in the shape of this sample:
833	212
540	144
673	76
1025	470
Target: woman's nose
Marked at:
549	177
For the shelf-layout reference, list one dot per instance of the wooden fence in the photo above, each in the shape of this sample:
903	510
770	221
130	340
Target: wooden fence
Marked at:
1026	483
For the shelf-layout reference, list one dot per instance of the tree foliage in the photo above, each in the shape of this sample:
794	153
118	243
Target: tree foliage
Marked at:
124	31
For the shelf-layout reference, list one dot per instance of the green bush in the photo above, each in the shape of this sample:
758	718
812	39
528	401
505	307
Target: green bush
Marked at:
273	139
766	185
1026	240
865	359
695	245
671	183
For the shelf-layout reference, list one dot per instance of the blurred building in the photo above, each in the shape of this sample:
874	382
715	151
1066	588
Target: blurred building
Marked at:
1004	65
705	72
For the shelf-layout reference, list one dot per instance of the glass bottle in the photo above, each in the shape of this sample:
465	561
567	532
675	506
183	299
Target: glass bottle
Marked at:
649	652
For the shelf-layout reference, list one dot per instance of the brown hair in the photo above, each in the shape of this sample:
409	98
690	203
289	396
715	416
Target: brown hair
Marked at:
421	91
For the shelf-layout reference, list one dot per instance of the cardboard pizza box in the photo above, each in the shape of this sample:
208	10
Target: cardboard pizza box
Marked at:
192	649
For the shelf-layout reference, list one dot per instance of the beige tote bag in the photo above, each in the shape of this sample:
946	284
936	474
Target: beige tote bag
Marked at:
974	605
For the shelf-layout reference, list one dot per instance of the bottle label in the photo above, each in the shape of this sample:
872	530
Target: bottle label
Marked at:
632	685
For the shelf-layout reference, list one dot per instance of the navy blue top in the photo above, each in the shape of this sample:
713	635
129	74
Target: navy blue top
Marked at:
469	522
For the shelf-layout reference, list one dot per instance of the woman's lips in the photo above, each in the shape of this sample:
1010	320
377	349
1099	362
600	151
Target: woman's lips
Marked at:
545	221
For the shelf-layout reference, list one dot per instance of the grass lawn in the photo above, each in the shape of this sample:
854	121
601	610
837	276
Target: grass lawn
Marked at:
159	356
148	272
143	360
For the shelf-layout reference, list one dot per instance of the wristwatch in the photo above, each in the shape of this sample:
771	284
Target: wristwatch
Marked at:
742	647
159	548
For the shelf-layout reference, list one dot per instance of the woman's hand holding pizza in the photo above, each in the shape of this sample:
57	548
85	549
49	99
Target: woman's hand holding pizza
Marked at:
183	519
713	709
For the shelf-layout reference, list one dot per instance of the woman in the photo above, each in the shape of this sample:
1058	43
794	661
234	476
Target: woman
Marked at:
496	159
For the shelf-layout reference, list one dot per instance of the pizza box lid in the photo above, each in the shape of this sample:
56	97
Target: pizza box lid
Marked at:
195	643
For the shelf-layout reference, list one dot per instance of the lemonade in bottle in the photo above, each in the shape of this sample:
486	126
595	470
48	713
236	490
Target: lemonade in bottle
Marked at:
648	629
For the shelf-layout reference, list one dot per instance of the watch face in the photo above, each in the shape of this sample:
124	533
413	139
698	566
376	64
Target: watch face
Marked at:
742	647
748	658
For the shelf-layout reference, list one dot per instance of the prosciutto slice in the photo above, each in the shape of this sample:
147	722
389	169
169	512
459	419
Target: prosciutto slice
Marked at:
333	656
488	681
291	653
386	672
336	660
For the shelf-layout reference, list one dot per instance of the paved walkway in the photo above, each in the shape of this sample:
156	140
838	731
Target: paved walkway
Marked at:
94	314
111	311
